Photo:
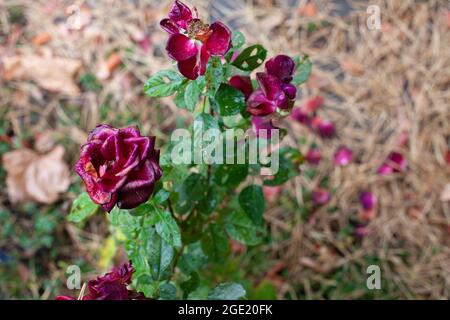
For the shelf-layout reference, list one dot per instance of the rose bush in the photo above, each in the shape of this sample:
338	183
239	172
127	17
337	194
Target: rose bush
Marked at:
174	219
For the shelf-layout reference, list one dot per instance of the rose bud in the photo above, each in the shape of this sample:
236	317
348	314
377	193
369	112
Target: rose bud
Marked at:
395	162
320	196
343	156
368	200
312	104
313	156
119	166
324	128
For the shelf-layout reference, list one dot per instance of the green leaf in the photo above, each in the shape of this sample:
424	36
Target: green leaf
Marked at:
167	291
239	227
237	39
179	97
82	208
163	84
190	285
215	242
193	259
192	93
161	196
168	228
250	58
251	200
191	191
158	252
230	175
227	291
304	68
230	100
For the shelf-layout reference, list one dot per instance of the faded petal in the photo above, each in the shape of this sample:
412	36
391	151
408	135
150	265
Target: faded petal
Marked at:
219	41
180	48
343	156
395	162
281	67
368	200
320	196
180	14
243	84
313	156
169	26
300	116
324	128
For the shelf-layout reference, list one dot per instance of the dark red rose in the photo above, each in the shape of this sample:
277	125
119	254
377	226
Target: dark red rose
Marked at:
119	166
111	286
192	42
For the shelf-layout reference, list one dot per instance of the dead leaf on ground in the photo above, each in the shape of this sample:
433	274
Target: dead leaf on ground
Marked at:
352	67
51	73
41	39
107	67
35	177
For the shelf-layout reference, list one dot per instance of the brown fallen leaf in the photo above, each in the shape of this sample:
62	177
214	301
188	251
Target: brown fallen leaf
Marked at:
51	73
308	10
41	39
39	178
107	67
352	67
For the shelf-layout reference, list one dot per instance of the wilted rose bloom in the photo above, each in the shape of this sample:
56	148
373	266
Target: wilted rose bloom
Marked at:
343	156
313	156
263	126
361	231
395	162
192	42
243	84
324	128
111	286
320	196
119	166
299	115
368	200
312	104
275	90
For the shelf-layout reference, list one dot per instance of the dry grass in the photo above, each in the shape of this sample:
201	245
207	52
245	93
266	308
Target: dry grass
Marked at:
399	87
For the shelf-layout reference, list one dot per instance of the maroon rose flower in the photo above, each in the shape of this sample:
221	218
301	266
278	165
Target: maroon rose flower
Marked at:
119	166
243	84
275	90
111	286
192	42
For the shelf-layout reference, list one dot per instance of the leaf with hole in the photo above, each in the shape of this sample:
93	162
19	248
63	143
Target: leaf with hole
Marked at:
250	58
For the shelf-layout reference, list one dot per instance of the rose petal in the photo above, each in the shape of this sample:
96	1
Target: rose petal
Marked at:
368	200
243	84
290	90
180	14
219	41
138	188
169	26
204	57
189	68
281	67
313	156
343	156
179	47
102	132
270	85
259	105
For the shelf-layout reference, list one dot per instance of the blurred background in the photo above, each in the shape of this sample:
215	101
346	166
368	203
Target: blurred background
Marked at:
66	66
